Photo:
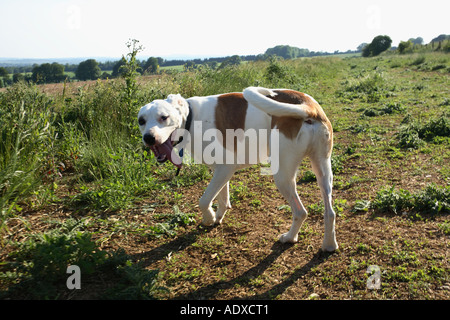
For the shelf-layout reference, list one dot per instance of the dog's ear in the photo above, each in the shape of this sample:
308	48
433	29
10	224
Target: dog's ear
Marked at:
179	103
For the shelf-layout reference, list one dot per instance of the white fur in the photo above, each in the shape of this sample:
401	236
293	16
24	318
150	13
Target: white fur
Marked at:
258	97
154	125
311	141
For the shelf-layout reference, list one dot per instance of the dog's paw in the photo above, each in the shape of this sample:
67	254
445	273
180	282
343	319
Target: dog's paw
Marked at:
330	247
208	222
286	238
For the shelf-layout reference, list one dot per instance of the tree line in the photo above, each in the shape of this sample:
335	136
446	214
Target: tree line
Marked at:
92	70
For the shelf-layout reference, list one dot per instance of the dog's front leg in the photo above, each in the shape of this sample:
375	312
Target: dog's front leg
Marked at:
223	199
222	174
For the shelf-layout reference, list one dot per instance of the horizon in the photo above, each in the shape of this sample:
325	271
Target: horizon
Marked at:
76	60
73	29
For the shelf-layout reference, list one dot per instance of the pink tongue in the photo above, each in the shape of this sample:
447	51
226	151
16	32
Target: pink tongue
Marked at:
166	149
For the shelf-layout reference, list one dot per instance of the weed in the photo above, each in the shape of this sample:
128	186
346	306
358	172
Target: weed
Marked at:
238	191
388	108
308	176
278	73
419	60
391	200
445	227
414	134
316	208
370	87
432	200
134	283
169	228
362	248
121	184
256	203
361	205
339	206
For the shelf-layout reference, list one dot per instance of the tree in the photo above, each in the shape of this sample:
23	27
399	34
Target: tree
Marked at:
88	70
361	46
17	77
405	47
3	72
287	52
231	61
418	40
151	65
377	46
441	37
48	73
117	69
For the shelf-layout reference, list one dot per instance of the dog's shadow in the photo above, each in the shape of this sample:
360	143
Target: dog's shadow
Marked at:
211	290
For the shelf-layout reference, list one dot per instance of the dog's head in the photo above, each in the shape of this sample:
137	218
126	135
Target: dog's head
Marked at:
158	123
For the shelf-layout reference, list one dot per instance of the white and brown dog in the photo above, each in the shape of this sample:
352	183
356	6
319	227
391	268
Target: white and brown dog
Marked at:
219	125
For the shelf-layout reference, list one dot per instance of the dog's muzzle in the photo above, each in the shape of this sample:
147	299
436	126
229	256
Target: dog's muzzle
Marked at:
149	139
163	151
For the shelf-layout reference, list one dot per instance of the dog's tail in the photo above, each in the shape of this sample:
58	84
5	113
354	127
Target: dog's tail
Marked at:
262	99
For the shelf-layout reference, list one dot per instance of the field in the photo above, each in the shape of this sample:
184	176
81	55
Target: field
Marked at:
78	188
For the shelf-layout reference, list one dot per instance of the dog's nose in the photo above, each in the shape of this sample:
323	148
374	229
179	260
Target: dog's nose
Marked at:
149	139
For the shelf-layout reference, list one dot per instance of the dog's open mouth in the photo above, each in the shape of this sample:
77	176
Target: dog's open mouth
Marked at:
163	152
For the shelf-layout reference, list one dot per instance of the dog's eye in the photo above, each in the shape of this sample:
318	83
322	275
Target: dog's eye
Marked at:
164	118
141	121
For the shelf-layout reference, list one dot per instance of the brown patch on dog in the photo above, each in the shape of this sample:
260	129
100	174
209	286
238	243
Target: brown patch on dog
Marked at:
231	110
287	126
290	126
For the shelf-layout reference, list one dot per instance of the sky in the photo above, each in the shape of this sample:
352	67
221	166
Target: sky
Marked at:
208	28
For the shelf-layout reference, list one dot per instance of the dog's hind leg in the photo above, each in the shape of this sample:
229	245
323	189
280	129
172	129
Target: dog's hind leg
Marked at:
285	181
322	169
221	176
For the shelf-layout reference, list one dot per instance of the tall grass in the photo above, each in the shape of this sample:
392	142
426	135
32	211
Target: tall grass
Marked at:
26	155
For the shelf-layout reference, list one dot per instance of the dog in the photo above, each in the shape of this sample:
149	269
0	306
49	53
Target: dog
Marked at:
209	124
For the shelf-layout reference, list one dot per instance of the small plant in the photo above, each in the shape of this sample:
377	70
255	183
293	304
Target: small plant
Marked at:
256	203
361	205
134	283
392	200
308	176
129	73
277	73
413	134
362	248
419	60
169	228
445	227
432	200
369	88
